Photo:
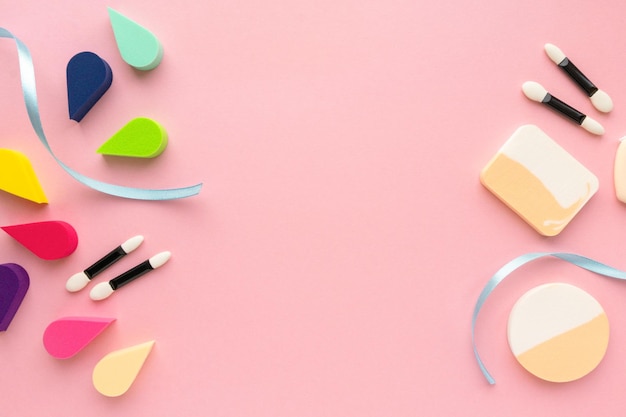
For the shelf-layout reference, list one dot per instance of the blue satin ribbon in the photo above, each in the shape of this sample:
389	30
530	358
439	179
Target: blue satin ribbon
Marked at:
27	75
498	277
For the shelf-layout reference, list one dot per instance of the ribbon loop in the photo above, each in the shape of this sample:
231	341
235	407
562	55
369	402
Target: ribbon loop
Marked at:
27	75
574	259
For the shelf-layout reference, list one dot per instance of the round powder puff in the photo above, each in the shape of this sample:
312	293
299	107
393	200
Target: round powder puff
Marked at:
558	332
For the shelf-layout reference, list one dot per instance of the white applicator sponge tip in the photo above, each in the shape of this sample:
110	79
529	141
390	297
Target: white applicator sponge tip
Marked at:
534	91
556	55
77	282
132	244
601	101
592	126
160	259
101	291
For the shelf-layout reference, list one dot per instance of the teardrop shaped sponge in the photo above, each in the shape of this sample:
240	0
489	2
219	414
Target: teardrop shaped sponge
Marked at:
48	240
17	176
137	45
140	138
65	337
88	78
114	374
14	283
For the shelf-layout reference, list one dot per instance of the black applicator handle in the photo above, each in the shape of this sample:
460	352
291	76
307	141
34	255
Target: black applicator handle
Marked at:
564	108
577	75
131	274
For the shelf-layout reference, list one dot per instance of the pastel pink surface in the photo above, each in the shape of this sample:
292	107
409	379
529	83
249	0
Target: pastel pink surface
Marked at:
65	337
331	264
48	240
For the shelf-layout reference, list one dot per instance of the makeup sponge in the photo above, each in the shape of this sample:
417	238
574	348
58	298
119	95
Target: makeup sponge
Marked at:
88	78
65	337
48	240
17	176
114	374
619	172
137	45
558	332
14	283
140	138
539	180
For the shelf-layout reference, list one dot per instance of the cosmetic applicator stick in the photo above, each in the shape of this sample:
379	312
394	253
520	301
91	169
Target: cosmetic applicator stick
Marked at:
105	289
535	92
79	280
600	99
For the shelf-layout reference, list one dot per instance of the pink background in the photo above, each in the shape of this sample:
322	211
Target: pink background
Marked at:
331	263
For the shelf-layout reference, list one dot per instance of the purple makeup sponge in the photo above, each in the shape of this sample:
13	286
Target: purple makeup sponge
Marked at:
14	282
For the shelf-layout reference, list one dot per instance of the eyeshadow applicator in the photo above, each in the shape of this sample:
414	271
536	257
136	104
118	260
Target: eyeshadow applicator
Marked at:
535	91
79	280
600	100
105	289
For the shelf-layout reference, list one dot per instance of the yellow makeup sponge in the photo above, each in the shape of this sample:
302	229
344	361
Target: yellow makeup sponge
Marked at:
115	373
18	177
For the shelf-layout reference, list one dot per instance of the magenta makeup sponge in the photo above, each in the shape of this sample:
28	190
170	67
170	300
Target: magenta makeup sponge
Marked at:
14	283
48	240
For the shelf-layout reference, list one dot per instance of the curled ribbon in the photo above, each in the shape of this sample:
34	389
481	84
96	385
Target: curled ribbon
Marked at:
578	260
27	75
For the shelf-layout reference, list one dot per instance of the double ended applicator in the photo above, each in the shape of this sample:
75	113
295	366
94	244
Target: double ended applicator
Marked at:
600	99
535	91
79	280
105	289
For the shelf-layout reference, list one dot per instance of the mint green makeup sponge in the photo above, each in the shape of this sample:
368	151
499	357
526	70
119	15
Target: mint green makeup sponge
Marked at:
137	45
